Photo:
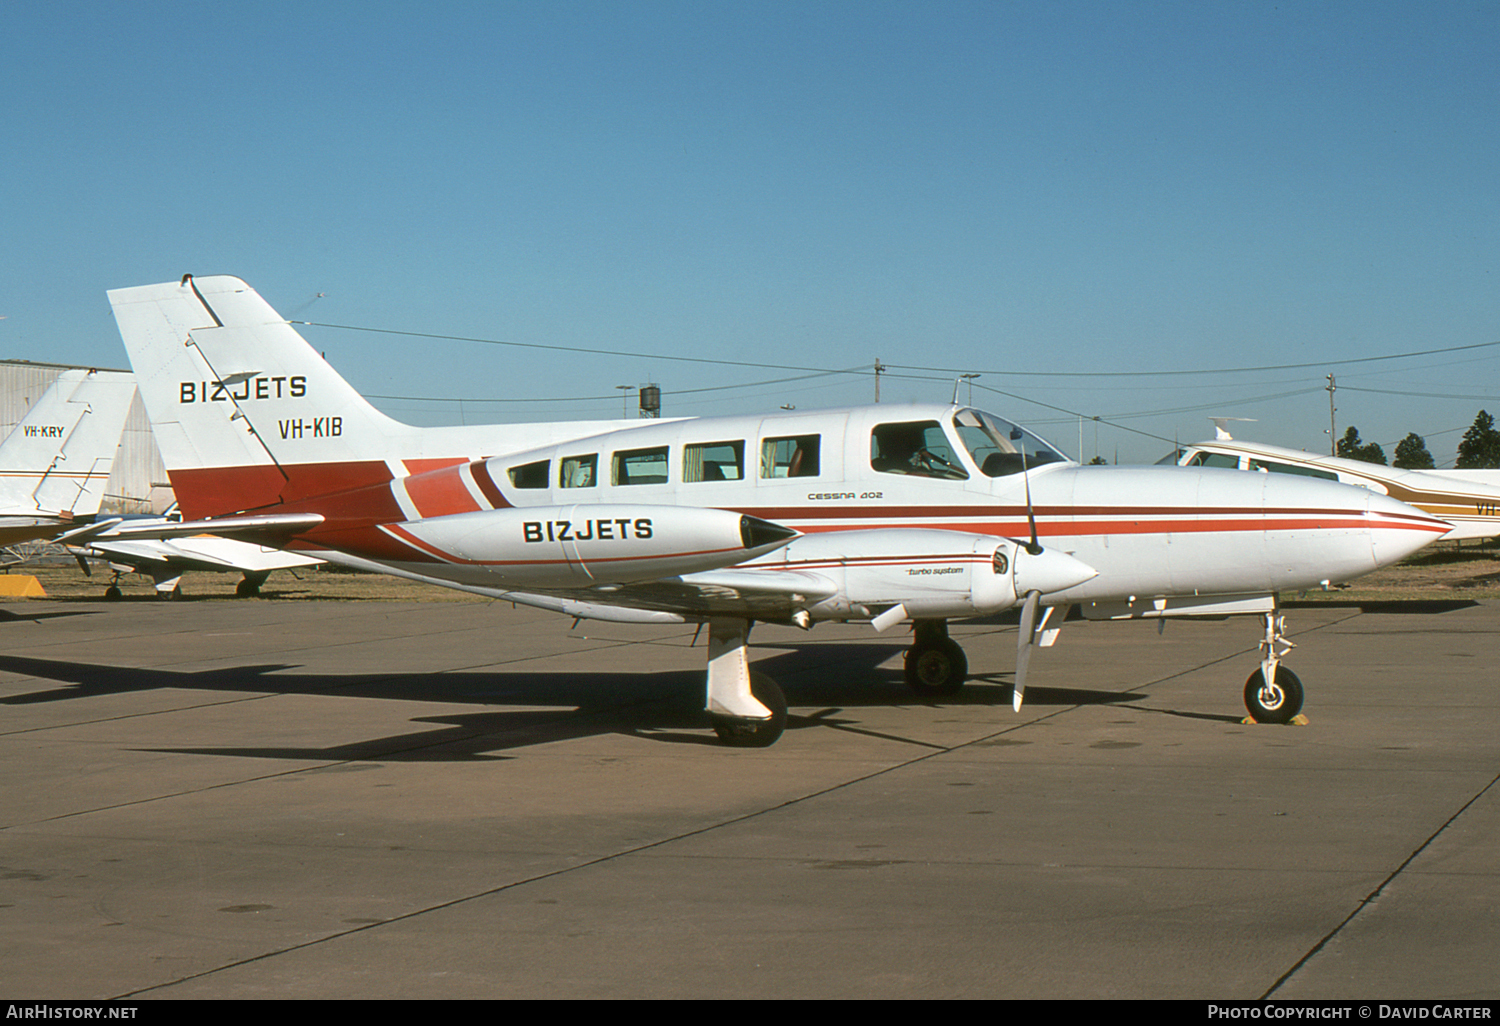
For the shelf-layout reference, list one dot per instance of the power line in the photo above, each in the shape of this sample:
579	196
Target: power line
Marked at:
1219	370
947	372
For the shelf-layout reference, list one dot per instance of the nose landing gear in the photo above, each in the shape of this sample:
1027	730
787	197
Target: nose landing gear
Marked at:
1273	694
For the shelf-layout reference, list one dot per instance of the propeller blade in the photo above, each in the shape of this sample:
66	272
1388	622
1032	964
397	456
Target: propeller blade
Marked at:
1024	643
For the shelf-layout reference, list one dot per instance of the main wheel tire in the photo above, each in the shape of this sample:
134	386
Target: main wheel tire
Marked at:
937	667
742	733
246	588
1276	703
113	593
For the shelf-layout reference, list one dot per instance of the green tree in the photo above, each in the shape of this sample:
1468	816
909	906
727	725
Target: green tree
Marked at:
1481	444
1412	454
1350	448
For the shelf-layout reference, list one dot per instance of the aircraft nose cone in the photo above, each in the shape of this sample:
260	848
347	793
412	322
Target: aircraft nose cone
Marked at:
1049	571
1397	530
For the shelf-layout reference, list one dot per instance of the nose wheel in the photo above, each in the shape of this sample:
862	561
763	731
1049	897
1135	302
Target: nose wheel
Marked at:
1276	702
1273	694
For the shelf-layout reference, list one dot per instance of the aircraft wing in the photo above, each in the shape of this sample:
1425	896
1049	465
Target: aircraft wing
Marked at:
201	552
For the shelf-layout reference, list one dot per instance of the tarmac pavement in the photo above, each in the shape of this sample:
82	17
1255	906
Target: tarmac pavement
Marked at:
356	799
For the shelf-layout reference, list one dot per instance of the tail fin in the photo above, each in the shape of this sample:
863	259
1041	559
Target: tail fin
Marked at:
246	413
250	418
58	458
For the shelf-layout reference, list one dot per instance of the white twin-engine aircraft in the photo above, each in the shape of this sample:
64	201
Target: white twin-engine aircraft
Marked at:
889	514
55	463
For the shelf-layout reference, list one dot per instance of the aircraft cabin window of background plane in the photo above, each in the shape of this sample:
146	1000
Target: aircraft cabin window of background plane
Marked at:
578	471
640	466
916	447
1292	468
531	475
795	456
713	461
1215	459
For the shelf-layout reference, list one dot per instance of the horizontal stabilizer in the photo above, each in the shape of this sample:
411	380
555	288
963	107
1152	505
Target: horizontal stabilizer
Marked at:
282	525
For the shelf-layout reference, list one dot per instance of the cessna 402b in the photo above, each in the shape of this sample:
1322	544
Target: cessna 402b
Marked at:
880	513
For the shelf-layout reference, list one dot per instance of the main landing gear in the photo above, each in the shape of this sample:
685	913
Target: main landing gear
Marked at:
249	585
1273	694
935	665
747	709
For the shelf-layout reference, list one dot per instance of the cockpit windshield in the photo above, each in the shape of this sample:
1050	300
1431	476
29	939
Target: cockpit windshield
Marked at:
1000	447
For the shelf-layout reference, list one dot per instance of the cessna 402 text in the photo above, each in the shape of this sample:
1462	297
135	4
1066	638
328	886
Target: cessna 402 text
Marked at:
881	513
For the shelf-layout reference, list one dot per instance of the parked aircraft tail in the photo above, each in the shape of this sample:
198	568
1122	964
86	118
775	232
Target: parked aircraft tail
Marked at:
249	417
58	458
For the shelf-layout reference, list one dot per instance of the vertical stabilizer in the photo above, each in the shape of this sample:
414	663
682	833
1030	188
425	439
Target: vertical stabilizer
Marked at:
246	413
58	458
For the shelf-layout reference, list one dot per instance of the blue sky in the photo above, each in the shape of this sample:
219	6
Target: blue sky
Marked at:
1115	190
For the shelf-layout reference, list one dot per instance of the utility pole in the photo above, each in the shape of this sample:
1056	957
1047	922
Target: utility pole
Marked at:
1333	438
879	369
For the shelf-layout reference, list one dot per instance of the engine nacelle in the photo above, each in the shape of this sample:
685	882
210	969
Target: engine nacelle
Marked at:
590	545
932	574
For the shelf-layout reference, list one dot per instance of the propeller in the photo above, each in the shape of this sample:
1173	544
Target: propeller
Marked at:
1024	642
1026	637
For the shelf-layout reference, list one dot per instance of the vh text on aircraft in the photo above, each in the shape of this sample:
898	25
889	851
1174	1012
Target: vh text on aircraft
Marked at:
55	463
889	514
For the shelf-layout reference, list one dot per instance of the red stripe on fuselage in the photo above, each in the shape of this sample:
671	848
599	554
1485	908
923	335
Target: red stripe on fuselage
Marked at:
426	466
487	486
439	493
217	491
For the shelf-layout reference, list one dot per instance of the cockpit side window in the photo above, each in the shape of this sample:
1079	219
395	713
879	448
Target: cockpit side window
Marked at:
917	448
999	447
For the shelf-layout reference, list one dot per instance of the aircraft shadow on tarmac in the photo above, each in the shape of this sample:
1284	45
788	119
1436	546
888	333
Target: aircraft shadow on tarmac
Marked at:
833	679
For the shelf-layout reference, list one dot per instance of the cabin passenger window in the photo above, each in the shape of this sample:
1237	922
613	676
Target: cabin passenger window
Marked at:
531	475
917	447
713	461
578	471
640	466
793	456
1214	459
